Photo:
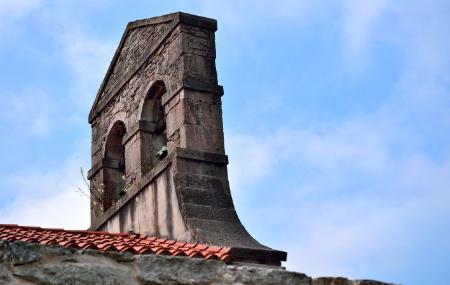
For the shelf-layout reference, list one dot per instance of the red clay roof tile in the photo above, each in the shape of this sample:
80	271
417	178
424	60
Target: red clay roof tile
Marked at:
104	241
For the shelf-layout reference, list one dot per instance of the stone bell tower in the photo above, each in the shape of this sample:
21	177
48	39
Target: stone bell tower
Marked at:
158	159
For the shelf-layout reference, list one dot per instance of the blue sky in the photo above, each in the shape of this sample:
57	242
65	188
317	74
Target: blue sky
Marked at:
336	114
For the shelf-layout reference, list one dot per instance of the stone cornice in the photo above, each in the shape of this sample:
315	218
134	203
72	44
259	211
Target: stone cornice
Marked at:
104	163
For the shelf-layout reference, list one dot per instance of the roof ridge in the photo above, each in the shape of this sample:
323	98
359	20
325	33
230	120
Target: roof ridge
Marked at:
106	241
64	230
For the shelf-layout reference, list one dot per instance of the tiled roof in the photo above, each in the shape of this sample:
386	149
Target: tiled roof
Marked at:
119	242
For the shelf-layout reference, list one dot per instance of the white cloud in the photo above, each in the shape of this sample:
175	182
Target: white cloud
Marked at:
38	112
359	24
251	158
47	198
32	111
418	30
65	209
369	193
356	207
87	54
88	57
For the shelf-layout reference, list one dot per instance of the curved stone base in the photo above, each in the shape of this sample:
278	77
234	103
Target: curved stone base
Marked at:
186	197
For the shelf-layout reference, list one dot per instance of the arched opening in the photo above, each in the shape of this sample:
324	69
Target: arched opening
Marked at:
152	110
155	139
114	163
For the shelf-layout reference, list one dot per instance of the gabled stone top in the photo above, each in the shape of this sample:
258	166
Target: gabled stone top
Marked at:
165	24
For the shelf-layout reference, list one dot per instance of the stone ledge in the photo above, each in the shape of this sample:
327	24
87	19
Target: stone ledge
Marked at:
196	85
141	125
28	263
104	163
202	156
197	21
184	18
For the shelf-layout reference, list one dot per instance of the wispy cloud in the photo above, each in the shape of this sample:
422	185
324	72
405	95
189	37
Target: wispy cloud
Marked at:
88	58
47	197
360	21
12	15
359	197
64	209
368	192
358	201
32	111
85	53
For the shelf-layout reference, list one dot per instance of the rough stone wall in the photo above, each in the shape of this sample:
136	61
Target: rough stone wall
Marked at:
126	104
186	197
182	55
135	43
24	263
193	201
205	200
188	54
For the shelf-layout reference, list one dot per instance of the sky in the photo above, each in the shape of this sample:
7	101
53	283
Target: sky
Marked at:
336	121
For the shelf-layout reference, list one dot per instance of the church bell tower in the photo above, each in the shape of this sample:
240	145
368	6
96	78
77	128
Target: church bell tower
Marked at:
158	160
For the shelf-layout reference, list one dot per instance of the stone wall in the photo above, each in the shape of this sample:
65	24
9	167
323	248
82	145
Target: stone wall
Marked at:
125	105
161	95
186	197
177	54
177	51
164	219
26	263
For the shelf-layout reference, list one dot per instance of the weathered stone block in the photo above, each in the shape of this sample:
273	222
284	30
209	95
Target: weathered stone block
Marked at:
202	112
199	167
211	213
200	68
206	197
202	138
174	116
199	181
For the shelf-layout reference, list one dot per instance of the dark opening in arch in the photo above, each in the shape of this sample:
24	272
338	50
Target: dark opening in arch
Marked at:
114	174
152	110
154	139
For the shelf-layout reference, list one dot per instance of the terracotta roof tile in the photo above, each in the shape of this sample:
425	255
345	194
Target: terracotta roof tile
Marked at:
119	242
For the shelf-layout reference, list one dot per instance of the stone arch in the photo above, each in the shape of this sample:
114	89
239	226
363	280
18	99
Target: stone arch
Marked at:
152	108
153	124
114	163
150	88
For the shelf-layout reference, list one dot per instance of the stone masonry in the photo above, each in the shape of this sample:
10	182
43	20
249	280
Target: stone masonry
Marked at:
158	160
25	263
